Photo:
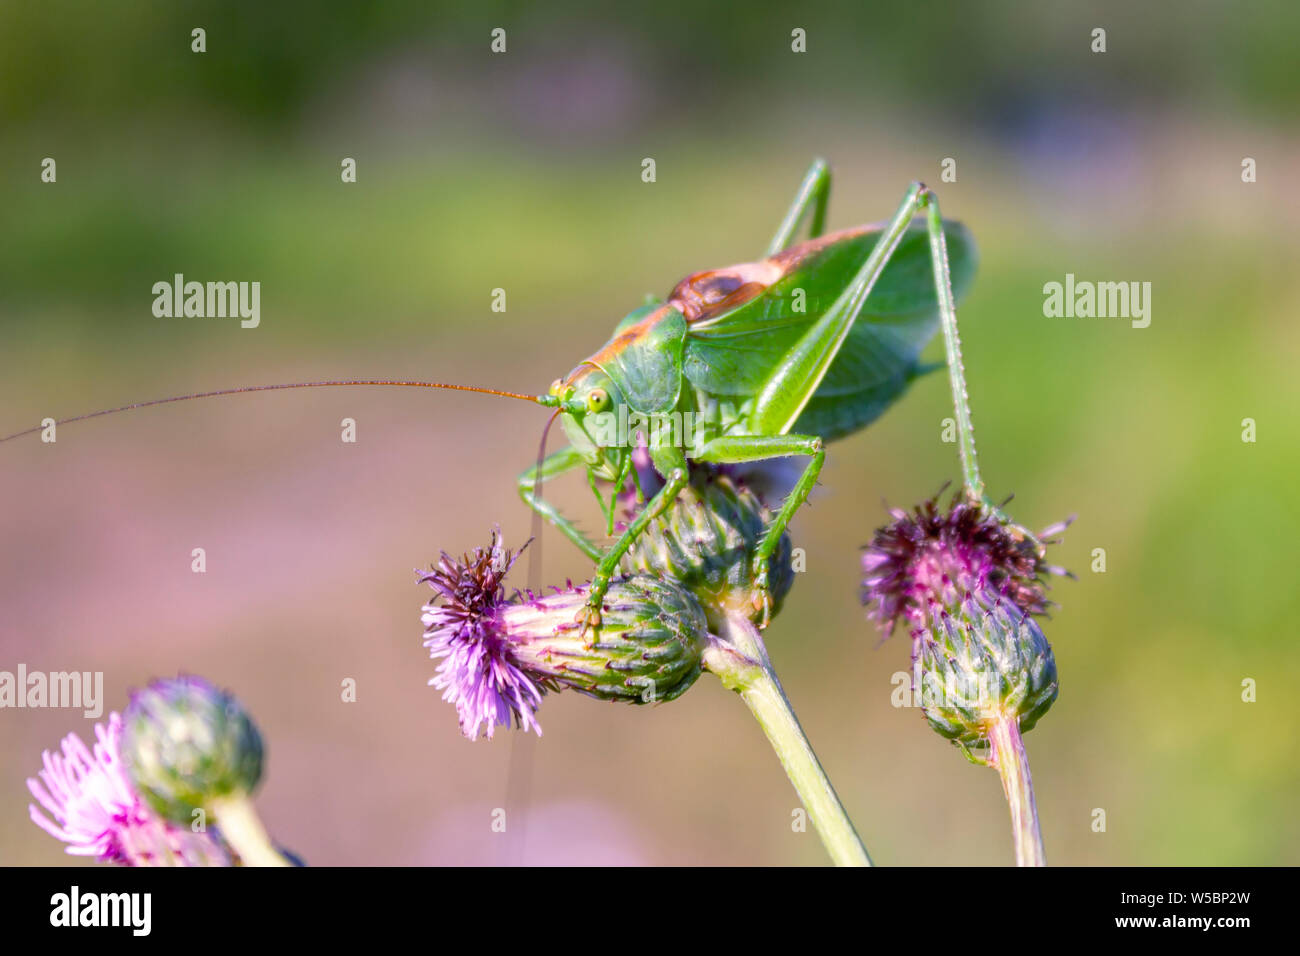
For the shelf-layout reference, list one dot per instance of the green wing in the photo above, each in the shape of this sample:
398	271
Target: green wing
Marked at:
732	354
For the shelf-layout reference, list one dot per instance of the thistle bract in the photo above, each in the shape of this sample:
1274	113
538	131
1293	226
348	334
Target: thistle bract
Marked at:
502	654
981	661
187	743
706	541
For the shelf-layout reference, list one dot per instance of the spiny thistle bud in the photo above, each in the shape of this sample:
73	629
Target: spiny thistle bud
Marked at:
501	655
968	582
647	648
979	662
187	743
706	541
88	801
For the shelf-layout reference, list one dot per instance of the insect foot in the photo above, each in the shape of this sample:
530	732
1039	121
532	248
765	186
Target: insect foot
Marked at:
589	618
761	597
501	654
708	542
589	615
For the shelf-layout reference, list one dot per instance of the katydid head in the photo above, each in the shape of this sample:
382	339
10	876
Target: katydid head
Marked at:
589	402
637	373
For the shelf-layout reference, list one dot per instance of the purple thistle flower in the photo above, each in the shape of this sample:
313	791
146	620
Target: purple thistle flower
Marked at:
501	655
478	672
94	809
929	558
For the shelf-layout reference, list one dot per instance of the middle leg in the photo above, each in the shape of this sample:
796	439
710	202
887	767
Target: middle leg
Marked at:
736	449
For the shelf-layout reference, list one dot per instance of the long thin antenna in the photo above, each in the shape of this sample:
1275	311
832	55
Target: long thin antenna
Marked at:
271	388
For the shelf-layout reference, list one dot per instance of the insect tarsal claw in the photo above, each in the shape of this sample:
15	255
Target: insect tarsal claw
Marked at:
589	619
762	597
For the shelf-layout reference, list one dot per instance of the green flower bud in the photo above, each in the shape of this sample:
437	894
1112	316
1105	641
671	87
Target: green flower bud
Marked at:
706	541
186	743
647	649
981	661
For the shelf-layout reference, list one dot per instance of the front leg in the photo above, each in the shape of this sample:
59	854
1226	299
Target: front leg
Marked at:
735	449
589	616
566	459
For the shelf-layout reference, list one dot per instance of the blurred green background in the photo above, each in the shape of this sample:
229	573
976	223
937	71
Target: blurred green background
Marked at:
522	171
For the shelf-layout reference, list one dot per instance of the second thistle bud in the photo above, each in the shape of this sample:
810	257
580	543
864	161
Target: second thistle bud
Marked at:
707	540
969	584
186	743
981	661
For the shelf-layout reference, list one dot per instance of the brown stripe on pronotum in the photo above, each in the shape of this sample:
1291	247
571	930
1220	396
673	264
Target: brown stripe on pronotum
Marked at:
705	295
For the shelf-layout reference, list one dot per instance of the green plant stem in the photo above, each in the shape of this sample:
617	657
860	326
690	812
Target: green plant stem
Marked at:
738	657
1012	763
243	830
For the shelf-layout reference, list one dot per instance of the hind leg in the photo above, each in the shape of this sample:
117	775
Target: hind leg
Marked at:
815	193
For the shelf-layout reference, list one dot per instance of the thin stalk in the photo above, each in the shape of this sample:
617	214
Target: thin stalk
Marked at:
1012	762
243	830
739	658
952	344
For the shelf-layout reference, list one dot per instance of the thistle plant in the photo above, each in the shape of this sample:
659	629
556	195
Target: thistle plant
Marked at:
707	542
776	358
167	783
88	801
968	584
738	657
190	748
685	604
501	654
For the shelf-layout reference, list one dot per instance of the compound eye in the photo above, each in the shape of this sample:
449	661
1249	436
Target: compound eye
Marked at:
597	400
555	387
